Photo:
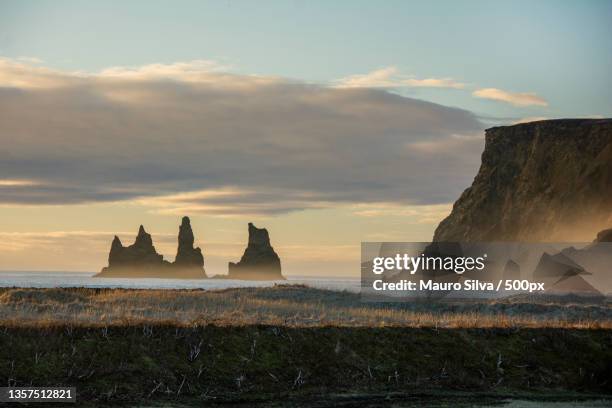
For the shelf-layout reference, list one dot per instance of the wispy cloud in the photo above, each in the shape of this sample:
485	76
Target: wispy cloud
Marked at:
390	77
513	98
529	119
17	183
239	202
29	60
183	71
423	214
188	136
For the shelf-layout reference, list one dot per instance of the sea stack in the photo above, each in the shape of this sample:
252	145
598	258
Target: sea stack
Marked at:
187	256
141	253
259	261
141	260
595	258
561	275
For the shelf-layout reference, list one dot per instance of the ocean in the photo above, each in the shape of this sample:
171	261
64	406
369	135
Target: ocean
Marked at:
22	279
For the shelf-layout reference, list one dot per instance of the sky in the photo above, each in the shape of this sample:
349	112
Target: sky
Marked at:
329	123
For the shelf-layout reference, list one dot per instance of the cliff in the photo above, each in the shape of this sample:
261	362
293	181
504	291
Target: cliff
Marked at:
540	181
259	261
141	260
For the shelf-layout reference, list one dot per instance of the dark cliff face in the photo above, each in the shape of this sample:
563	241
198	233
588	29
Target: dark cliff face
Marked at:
259	260
541	181
604	236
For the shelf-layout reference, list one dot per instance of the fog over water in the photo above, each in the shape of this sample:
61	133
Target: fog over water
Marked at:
22	279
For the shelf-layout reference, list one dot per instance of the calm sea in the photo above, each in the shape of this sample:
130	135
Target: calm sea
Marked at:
85	279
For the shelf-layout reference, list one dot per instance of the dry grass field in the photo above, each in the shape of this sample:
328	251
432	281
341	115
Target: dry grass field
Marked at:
296	346
285	305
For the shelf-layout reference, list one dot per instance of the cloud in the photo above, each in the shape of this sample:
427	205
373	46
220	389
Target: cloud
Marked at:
236	201
183	71
16	183
187	136
530	119
513	98
22	75
29	60
423	214
390	77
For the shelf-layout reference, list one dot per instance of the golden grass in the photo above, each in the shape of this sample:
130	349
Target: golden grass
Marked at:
286	306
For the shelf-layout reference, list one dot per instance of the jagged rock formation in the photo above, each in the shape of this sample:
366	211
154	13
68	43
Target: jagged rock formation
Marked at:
597	259
561	275
540	181
187	255
140	253
556	266
259	260
141	260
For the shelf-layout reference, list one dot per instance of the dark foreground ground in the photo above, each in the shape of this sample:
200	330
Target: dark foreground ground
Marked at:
301	347
256	365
